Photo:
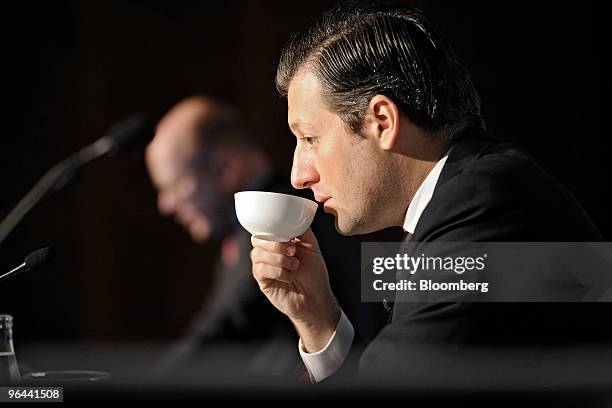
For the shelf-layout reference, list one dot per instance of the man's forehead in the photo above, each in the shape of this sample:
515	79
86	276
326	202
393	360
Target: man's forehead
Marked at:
167	163
304	101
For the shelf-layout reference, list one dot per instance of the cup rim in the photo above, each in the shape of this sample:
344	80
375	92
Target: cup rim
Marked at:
260	192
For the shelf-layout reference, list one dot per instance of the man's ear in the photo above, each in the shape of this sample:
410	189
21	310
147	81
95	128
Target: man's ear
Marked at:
384	121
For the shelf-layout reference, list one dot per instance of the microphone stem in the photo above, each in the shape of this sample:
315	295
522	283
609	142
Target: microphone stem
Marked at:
17	269
53	180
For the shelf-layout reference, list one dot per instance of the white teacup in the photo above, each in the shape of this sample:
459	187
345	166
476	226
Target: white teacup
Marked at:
274	216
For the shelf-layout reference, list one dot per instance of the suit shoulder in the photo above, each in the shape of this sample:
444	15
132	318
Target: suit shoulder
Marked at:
503	195
502	174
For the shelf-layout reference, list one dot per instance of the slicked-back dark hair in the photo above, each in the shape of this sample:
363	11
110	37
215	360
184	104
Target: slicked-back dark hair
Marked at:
365	48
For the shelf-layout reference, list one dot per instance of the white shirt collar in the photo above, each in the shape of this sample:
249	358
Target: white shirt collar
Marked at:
423	196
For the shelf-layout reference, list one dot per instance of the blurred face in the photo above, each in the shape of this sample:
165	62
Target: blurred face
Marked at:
188	189
345	171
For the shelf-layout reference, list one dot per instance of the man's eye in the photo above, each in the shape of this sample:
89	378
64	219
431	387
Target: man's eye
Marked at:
310	140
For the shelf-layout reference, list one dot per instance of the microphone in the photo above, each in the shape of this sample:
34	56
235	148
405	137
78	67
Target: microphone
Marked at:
128	134
32	261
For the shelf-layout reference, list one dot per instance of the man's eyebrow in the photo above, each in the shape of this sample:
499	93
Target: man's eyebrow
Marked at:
294	125
298	124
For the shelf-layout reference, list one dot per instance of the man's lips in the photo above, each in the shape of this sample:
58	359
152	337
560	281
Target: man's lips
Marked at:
321	199
327	201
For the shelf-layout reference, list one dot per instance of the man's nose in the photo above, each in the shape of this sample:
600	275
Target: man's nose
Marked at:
166	204
303	174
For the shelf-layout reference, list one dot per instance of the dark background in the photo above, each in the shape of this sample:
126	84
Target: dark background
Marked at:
70	69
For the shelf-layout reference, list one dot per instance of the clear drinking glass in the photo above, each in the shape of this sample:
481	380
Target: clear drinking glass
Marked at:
9	370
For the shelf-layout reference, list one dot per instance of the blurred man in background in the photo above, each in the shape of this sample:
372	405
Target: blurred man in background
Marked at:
201	155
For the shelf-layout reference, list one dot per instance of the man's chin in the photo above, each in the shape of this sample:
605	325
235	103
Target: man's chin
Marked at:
349	227
343	227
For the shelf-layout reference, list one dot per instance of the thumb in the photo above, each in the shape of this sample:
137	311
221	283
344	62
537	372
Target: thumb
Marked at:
307	240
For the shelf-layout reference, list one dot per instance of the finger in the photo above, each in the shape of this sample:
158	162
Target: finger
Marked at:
263	272
287	248
308	241
266	283
260	255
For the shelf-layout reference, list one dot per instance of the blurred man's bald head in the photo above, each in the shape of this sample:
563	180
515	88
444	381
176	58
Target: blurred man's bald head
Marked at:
193	124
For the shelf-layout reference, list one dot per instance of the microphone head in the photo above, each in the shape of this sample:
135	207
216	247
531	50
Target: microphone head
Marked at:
130	133
39	257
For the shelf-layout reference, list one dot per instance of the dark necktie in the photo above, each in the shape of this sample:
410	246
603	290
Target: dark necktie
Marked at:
401	250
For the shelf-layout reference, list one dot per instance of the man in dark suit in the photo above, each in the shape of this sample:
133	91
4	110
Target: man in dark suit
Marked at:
389	134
